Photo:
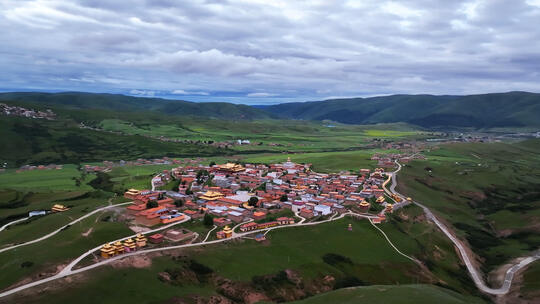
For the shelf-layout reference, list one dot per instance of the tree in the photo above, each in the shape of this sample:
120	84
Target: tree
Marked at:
208	220
213	163
179	203
151	204
253	201
284	198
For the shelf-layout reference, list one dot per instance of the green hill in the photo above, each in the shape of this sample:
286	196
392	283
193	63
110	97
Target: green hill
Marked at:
513	109
117	102
417	294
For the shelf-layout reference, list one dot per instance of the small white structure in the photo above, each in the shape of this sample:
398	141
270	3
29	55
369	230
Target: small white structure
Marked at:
323	209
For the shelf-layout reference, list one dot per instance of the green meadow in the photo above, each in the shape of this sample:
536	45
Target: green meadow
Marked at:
301	249
405	294
488	192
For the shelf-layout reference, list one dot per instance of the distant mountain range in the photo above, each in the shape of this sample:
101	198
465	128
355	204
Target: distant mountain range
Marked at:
117	102
512	109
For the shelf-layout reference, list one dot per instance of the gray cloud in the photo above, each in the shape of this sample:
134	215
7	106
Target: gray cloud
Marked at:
294	49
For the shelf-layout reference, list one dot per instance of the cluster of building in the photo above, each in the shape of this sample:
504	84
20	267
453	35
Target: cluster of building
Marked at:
234	193
39	167
24	112
120	247
109	165
389	160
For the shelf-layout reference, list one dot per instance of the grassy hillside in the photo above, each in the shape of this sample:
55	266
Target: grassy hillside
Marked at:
117	102
513	109
30	141
488	192
404	294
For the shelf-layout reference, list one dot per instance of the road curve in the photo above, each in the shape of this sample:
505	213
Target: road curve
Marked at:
61	228
14	222
473	272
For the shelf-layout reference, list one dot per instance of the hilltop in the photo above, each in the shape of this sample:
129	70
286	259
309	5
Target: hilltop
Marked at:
496	110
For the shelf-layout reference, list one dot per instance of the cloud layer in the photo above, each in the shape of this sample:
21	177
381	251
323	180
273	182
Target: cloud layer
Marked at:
256	51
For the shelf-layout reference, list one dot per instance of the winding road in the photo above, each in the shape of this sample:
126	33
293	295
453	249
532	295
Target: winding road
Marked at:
61	228
68	270
474	273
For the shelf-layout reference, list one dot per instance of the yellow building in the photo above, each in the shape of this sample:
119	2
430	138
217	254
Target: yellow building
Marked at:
107	251
59	208
140	240
380	199
227	231
211	195
389	207
132	193
230	167
129	245
118	247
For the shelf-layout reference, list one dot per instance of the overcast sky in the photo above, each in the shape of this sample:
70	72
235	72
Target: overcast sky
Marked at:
268	51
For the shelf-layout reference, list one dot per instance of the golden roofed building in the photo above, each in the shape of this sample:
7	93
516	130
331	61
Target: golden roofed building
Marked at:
129	245
230	167
107	251
131	193
211	195
118	247
140	240
228	232
59	208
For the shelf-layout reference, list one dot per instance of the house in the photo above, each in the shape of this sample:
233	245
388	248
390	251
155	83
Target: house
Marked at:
285	220
221	221
248	227
235	216
260	237
178	235
156	238
323	209
306	213
258	215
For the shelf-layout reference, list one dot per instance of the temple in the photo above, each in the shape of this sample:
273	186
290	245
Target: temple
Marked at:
230	167
107	251
59	208
140	240
211	196
129	245
225	233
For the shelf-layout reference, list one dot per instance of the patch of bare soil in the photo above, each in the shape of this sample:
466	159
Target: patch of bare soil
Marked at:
515	296
136	261
87	233
138	229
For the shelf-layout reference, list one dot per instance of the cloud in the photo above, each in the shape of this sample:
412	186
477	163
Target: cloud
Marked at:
142	93
261	95
182	92
295	49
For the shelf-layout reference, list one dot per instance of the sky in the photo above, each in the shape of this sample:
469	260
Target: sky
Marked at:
271	51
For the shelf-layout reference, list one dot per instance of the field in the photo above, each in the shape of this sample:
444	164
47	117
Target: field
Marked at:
372	261
324	161
413	294
45	180
488	192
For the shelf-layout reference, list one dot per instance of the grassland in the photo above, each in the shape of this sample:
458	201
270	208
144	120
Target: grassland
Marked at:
413	294
488	192
46	180
373	261
324	161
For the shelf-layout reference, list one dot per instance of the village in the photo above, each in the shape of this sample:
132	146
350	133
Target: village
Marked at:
249	199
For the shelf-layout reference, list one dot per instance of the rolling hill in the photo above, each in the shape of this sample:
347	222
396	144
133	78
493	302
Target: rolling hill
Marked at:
117	102
512	109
